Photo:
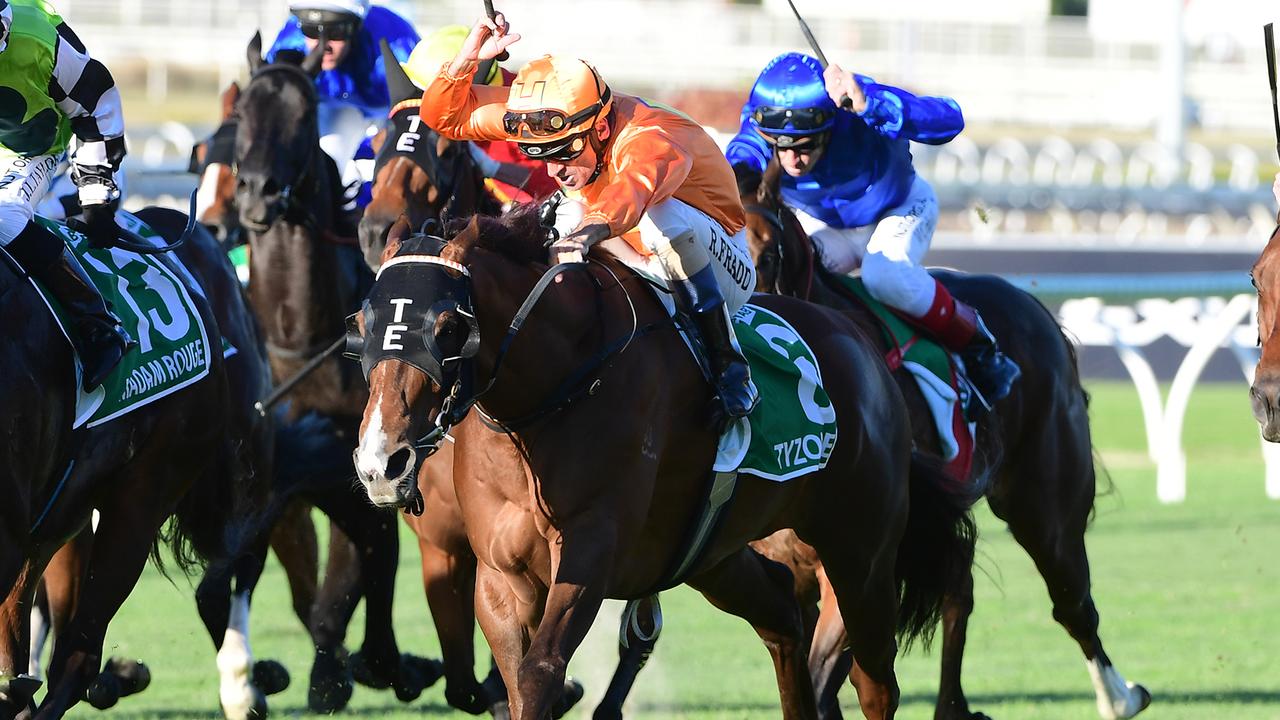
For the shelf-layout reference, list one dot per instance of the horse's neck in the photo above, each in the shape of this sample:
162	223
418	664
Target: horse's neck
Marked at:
296	285
560	334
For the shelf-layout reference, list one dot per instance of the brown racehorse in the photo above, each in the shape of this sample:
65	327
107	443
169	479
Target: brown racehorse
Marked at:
1265	392
1038	451
418	173
304	280
213	161
613	467
416	179
174	457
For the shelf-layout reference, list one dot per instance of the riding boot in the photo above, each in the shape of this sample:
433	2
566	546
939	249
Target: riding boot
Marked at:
960	329
699	297
99	339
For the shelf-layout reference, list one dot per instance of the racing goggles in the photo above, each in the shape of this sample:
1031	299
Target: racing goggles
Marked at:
338	30
545	123
767	117
562	151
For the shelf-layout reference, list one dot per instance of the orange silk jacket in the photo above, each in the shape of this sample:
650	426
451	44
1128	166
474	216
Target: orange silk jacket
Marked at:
653	154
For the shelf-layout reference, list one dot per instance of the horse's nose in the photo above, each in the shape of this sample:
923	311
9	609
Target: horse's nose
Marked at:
373	238
1264	396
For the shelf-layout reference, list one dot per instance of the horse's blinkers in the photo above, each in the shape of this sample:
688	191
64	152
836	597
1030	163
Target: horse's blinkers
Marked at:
399	324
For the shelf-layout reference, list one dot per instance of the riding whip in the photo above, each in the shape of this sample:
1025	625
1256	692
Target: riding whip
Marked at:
1269	36
845	101
488	10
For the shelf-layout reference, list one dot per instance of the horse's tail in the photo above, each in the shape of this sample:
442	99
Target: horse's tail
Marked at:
207	524
936	549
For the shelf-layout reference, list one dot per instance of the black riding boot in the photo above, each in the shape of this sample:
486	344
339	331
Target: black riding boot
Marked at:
700	298
960	329
99	340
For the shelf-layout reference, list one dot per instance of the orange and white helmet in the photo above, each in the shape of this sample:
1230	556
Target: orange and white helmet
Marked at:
553	105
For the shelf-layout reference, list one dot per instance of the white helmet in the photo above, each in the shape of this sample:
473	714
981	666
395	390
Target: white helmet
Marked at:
358	8
6	22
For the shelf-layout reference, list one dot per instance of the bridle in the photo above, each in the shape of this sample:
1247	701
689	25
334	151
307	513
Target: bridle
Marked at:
583	382
290	204
773	216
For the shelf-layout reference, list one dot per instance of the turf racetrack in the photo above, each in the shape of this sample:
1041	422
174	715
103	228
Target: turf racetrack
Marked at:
1188	597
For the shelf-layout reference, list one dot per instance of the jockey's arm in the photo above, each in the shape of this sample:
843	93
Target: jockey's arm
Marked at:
459	110
86	92
896	113
650	168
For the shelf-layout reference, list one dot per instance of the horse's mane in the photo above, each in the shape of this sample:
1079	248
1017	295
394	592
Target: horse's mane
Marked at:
517	234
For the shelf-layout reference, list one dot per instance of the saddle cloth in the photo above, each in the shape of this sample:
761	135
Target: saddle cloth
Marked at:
935	371
151	296
792	431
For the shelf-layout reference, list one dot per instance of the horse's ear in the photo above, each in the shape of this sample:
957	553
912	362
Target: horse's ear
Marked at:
770	183
395	237
229	98
315	58
399	86
254	53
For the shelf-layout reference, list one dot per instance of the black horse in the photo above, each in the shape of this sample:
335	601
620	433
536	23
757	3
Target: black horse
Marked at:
178	456
304	280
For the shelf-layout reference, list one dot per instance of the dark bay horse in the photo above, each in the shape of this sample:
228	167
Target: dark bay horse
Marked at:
304	281
1037	449
611	479
177	456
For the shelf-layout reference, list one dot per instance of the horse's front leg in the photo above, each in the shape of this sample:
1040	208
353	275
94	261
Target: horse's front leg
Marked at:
17	688
581	563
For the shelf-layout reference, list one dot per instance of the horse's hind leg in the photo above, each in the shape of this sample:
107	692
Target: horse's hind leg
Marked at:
1052	532
830	660
957	606
58	593
127	527
762	592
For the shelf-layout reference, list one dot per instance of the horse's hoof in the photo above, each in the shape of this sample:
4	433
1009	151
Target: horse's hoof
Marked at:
1144	702
134	676
331	685
363	674
417	674
270	677
257	709
17	693
573	692
104	692
471	699
500	710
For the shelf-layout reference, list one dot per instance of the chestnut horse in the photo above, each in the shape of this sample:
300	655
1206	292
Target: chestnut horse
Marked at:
1036	448
1264	394
614	463
177	456
304	280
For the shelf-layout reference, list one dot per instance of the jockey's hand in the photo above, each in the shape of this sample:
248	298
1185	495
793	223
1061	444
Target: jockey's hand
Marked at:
488	39
574	246
844	89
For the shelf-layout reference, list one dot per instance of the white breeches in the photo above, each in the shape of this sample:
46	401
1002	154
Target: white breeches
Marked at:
683	241
342	128
890	252
23	183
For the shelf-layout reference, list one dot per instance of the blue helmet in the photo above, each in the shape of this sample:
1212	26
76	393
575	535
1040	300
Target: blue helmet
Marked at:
789	100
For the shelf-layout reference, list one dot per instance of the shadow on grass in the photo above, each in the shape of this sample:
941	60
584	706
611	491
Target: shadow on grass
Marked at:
1239	696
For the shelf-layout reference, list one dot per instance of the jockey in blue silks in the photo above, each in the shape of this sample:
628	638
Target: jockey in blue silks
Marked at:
848	175
352	83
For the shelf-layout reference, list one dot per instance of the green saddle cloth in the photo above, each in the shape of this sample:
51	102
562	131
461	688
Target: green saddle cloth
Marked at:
151	297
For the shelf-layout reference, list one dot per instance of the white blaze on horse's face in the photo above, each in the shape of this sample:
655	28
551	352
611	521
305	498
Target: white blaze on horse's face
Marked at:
371	455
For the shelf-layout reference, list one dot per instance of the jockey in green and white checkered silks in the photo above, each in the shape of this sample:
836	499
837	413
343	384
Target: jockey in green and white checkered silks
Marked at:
51	91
